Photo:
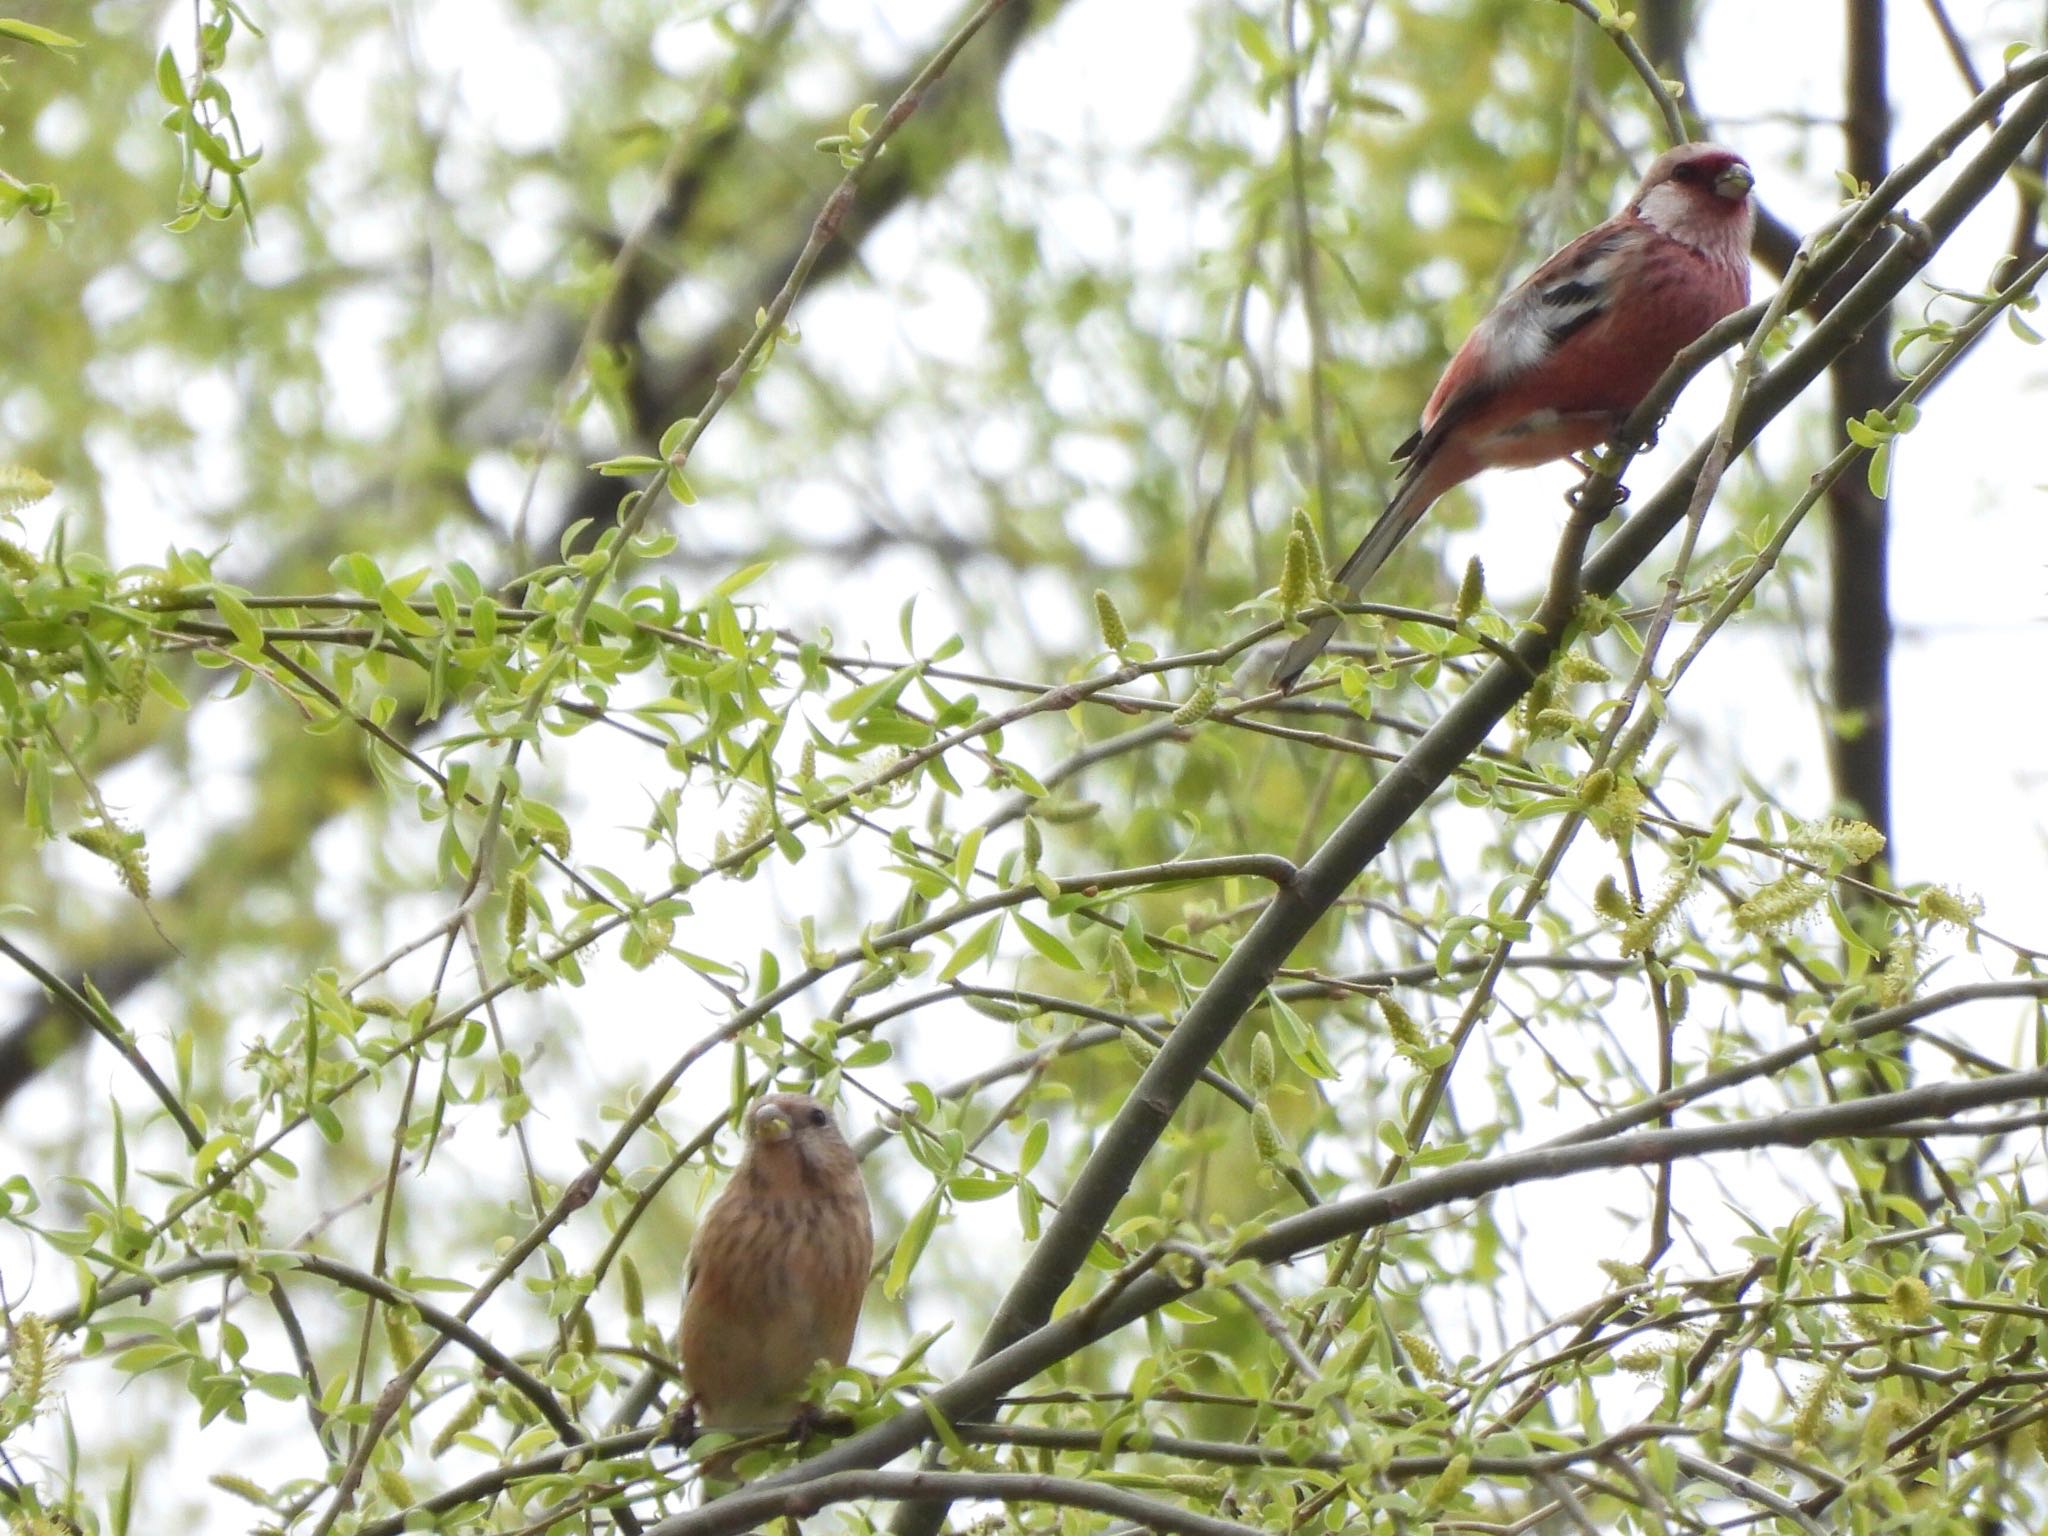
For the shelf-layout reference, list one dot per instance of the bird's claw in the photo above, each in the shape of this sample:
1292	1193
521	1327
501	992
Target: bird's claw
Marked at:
810	1419
682	1426
1576	495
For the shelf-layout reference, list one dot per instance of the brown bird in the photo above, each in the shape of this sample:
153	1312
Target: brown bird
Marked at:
777	1271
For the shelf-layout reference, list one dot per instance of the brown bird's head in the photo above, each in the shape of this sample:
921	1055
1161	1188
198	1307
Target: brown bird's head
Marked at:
794	1146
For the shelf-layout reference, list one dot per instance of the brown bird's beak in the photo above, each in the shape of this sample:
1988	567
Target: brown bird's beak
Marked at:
771	1123
1735	182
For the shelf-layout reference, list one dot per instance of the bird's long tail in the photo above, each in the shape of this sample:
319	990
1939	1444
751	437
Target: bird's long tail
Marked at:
1410	501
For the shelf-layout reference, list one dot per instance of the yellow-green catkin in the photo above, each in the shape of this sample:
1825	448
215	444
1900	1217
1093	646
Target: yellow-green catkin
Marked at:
1472	590
1779	905
1262	1064
467	1417
1423	1355
18	560
1198	707
122	849
1639	935
1816	1408
29	1363
513	1404
398	1337
1677	996
1901	973
1887	1416
1138	1048
1940	904
134	675
395	1486
1449	1483
1401	1024
1650	1360
1114	635
1063	813
1910	1300
1609	901
807	763
516	911
1266	1137
1316	568
1123	970
629	1283
21	487
1034	842
1854	842
1595	787
758	819
1621	809
241	1487
1294	583
1578	667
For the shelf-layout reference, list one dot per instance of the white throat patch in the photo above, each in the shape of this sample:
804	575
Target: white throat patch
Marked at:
1685	215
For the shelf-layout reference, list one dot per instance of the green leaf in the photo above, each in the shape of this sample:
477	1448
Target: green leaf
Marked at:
1048	944
235	614
851	706
29	32
910	1247
630	466
978	945
170	84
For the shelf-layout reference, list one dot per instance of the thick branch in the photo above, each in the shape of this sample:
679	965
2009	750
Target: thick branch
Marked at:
745	1510
1859	600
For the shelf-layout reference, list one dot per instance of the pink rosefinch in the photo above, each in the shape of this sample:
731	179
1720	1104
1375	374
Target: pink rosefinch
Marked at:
777	1271
1564	358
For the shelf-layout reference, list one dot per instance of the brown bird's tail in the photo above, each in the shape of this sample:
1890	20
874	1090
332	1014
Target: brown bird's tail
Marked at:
1411	500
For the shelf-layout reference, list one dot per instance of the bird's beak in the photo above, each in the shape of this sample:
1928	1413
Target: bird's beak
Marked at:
1735	182
771	1124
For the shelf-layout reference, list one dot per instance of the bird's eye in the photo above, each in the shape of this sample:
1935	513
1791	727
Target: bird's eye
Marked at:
819	1117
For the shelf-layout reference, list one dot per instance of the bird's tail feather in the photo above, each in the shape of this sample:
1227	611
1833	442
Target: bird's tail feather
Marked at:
1388	530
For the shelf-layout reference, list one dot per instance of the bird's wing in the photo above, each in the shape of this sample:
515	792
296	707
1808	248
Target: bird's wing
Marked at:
1568	292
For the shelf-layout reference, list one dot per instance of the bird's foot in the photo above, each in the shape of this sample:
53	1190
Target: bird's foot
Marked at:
1574	496
810	1419
681	1431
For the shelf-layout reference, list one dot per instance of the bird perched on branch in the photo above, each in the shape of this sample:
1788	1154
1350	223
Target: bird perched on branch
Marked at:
1562	360
777	1271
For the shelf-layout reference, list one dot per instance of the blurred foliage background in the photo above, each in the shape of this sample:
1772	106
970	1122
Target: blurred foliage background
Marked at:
455	863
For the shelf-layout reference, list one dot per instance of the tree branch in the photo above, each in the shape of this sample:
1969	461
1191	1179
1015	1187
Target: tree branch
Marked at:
744	1510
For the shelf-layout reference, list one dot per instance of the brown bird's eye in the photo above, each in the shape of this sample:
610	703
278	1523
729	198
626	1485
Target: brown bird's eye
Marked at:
819	1117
